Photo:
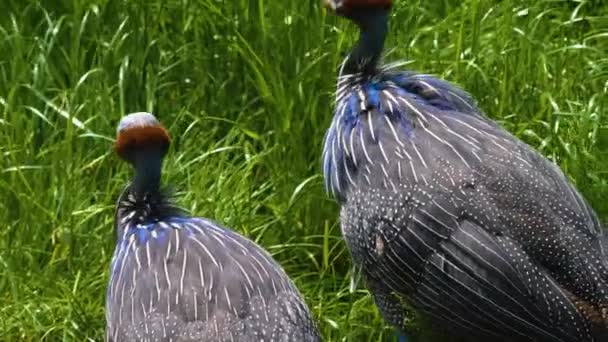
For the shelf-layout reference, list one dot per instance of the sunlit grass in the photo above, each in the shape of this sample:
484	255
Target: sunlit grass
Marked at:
245	87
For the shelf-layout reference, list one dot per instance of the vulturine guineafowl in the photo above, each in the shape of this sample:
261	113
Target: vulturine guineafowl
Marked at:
180	278
448	213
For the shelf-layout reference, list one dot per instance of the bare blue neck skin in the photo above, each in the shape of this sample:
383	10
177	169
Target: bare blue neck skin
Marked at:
373	26
148	166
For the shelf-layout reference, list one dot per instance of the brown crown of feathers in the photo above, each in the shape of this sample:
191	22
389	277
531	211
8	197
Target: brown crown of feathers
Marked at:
141	137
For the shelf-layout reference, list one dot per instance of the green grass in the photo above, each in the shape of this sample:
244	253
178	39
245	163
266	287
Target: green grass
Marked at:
245	87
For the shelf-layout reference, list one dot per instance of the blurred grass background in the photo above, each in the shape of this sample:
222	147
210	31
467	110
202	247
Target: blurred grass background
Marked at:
245	87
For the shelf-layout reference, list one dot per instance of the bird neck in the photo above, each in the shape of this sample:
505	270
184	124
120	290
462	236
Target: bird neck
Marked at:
148	166
373	28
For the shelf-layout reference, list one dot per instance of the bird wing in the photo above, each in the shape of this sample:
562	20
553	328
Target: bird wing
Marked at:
509	188
484	283
525	197
462	273
522	198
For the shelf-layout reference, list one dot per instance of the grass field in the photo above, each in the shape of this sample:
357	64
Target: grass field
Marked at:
245	87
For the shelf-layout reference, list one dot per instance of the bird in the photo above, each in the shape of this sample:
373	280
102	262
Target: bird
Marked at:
175	277
448	214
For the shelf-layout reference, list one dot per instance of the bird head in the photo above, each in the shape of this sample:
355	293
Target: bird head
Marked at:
350	8
140	134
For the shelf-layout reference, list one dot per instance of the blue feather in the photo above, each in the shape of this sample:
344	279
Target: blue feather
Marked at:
143	234
372	91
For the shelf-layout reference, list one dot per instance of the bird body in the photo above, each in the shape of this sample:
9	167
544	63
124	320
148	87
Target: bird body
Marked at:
180	278
446	211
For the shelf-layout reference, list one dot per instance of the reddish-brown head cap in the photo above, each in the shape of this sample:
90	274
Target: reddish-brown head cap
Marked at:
138	132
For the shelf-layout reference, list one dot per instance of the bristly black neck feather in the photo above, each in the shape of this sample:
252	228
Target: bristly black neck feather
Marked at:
373	26
142	208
